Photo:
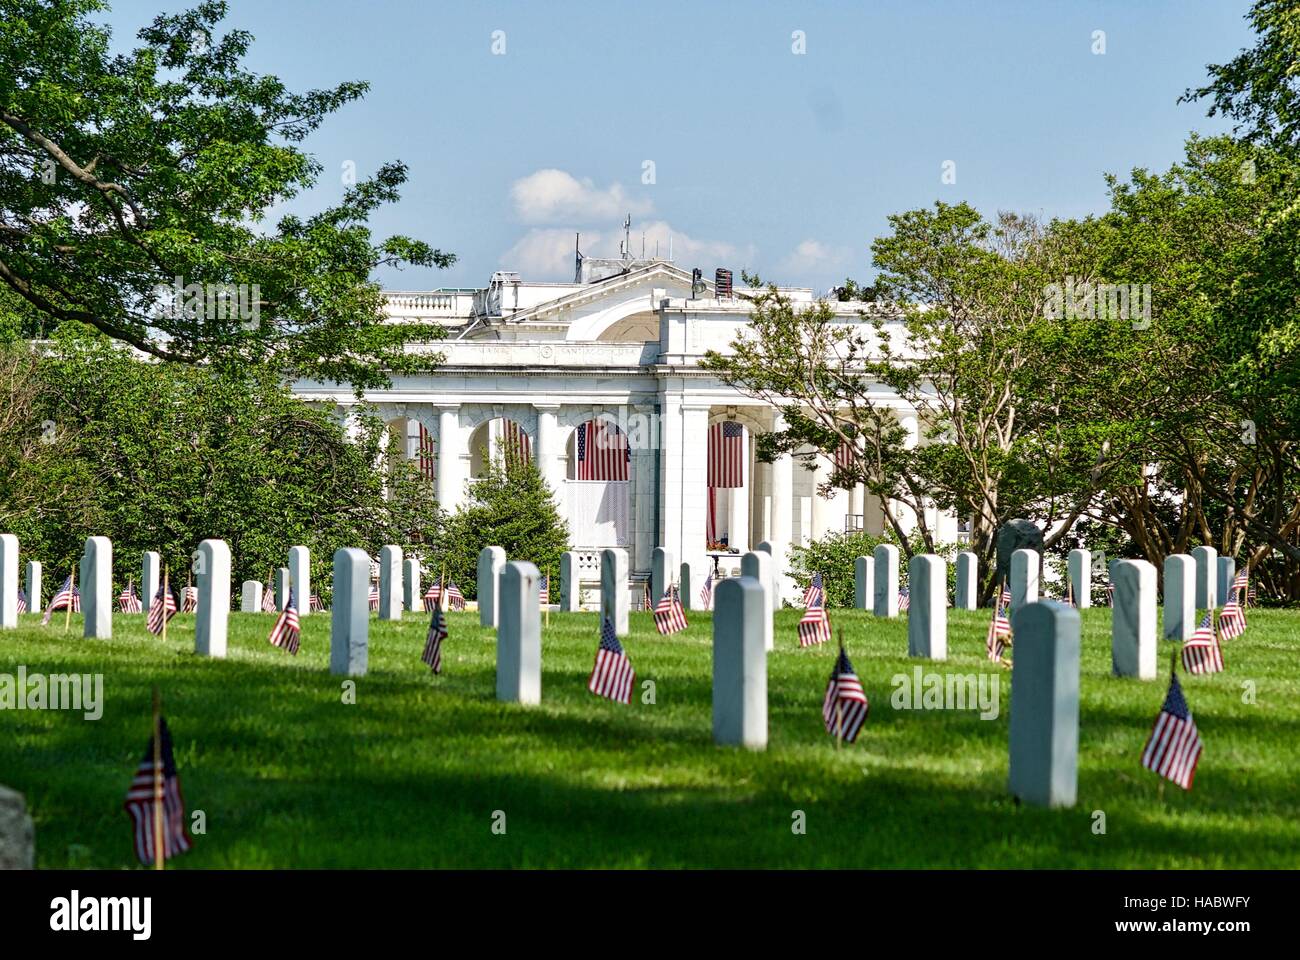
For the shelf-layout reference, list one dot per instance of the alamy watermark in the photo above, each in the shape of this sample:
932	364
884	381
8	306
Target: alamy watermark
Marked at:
210	301
58	691
947	691
1089	300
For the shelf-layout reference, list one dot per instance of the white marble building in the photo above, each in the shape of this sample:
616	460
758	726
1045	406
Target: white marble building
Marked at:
621	343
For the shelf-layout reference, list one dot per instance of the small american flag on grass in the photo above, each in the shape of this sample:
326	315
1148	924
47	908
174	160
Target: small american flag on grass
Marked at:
670	617
544	589
141	800
162	608
845	706
22	600
287	630
904	599
432	655
814	595
1174	748
1201	651
999	635
706	592
314	605
374	596
268	598
128	601
68	593
612	676
814	625
190	600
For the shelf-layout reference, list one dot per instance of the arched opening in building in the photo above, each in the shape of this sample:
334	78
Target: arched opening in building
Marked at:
598	491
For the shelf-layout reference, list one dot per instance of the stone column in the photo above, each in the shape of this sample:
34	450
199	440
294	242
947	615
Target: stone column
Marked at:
968	565
886	563
642	445
614	599
350	613
1133	626
491	561
740	664
34	598
213	612
570	582
857	502
1024	578
1080	573
519	637
818	512
1207	580
927	615
9	582
864	583
547	449
412	598
758	564
250	596
1044	737
150	577
390	582
782	516
683	454
448	479
300	579
738	514
661	574
97	588
1180	597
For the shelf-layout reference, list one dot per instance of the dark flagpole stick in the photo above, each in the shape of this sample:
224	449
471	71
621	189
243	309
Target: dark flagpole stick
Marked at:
72	592
159	860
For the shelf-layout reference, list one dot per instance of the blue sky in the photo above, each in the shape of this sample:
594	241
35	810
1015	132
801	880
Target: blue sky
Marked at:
763	159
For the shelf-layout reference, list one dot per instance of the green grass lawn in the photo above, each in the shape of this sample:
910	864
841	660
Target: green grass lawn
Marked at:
288	775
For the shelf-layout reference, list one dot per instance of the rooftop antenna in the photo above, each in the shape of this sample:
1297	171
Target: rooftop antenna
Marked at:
627	238
642	244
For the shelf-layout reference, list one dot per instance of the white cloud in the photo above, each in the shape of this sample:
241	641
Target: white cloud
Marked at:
546	253
813	256
554	196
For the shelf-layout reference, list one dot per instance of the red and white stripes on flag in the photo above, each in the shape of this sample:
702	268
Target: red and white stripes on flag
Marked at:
1232	620
601	451
287	631
67	593
455	599
814	625
128	601
1201	652
726	454
612	676
314	605
424	453
846	457
999	635
706	592
1174	748
814	595
670	617
190	600
22	600
141	799
845	706
432	655
516	447
268	598
374	596
162	607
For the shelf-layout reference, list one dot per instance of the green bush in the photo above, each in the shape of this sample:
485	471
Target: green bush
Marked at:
834	556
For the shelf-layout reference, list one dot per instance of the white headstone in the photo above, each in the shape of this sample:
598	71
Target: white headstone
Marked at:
692	582
491	561
250	596
886	562
212	572
350	614
614	599
34	586
282	581
150	577
1044	737
390	583
778	574
927	612
412	598
1223	587
519	635
864	583
1207	580
570	582
8	580
1180	597
97	588
1080	573
1133	625
968	581
758	564
661	573
1024	578
300	579
740	664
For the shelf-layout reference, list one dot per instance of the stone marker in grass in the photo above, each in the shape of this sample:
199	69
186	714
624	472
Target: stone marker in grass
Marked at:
8	580
758	564
491	561
966	595
97	588
150	577
927	611
864	583
1079	571
412	598
570	582
740	663
1133	624
212	616
519	635
282	581
661	573
350	613
1024	578
34	586
774	595
390	582
886	564
250	596
1180	597
692	583
1223	584
300	578
1044	735
1207	579
614	599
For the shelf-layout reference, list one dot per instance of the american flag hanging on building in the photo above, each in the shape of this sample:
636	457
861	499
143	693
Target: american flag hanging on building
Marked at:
22	600
128	601
1201	652
999	635
706	593
1232	620
1174	748
845	706
904	599
163	605
612	676
189	599
432	655
726	454
287	631
670	616
814	595
601	451
424	453
268	598
141	798
815	625
517	448
846	456
66	594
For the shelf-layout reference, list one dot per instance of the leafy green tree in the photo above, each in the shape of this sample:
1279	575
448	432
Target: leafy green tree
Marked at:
136	192
509	507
